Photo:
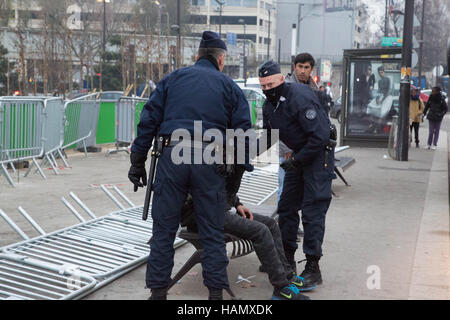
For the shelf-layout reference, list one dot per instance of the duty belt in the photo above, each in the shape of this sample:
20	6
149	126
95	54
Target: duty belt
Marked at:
192	144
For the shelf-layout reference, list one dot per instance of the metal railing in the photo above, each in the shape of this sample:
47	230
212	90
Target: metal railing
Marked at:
128	112
23	278
80	121
99	250
22	131
258	186
43	127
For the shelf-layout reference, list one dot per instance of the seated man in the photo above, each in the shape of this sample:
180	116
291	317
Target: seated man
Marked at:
263	232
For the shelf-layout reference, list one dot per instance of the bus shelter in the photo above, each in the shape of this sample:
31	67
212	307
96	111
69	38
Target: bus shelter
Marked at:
370	96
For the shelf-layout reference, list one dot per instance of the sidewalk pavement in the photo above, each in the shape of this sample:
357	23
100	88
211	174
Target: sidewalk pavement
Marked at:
387	236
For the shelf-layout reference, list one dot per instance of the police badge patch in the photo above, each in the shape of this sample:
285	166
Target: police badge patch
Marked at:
311	114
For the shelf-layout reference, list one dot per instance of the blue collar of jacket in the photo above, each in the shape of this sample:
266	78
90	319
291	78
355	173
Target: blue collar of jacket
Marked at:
208	62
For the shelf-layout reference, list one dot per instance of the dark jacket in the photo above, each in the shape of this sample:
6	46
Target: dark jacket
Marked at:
436	108
199	92
233	182
303	125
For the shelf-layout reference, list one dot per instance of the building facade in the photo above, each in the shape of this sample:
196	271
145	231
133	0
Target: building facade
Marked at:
259	17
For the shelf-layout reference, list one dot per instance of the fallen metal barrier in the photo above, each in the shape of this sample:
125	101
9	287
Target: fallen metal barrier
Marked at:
101	249
127	115
258	186
23	278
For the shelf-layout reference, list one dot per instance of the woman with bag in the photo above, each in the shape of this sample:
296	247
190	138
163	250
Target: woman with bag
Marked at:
416	108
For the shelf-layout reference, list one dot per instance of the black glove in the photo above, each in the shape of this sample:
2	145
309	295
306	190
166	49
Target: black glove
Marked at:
224	169
289	164
137	170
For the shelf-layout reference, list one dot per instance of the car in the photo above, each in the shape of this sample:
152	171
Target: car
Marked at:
335	111
111	95
250	83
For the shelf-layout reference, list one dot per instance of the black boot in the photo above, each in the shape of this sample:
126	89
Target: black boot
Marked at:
215	294
290	257
311	275
158	294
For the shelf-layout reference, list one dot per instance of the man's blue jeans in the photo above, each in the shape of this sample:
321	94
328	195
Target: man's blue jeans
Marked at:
281	174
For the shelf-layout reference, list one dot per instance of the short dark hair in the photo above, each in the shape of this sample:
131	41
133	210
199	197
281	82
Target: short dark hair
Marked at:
381	69
214	52
437	88
303	58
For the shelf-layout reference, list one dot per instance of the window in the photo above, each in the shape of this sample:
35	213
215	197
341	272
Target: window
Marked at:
250	3
233	20
198	2
197	19
260	39
233	3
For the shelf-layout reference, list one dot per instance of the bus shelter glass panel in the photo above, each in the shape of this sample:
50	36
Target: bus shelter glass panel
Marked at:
374	90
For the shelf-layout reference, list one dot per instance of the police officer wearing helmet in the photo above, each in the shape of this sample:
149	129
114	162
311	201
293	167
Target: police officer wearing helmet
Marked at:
304	127
196	93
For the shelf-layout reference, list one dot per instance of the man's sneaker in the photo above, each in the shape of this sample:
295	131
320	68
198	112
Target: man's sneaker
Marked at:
311	275
428	147
433	147
299	282
417	145
289	292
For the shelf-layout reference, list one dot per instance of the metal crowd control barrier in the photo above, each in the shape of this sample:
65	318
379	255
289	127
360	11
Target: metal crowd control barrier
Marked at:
80	120
24	133
128	111
100	250
23	278
258	186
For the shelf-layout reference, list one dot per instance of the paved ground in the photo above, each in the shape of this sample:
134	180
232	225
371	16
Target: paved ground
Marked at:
387	235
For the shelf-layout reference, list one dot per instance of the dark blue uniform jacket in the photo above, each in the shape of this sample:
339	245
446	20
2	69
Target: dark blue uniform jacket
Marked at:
303	125
196	93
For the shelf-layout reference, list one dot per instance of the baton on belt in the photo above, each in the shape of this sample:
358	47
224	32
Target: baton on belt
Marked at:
156	153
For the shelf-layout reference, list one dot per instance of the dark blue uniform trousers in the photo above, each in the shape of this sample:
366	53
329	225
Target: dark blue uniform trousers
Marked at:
308	189
207	188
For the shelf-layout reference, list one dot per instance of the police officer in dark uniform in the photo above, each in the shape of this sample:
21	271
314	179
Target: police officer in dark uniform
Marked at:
197	93
304	127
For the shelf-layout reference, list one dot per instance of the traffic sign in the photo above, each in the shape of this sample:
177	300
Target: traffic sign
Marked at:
391	42
231	38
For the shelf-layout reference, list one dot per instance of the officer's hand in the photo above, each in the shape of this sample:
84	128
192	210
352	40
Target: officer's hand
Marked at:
287	155
137	170
245	212
135	175
289	164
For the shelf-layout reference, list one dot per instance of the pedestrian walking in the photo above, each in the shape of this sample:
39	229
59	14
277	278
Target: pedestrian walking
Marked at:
435	110
416	109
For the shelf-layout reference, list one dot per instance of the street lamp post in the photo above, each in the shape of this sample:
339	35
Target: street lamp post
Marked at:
221	4
243	53
422	27
103	44
268	35
405	85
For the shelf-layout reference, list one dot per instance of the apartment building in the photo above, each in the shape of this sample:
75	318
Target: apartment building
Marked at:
259	17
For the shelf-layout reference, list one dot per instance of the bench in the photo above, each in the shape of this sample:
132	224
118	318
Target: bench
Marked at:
343	163
241	248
